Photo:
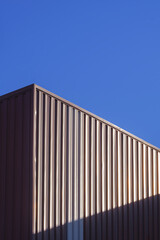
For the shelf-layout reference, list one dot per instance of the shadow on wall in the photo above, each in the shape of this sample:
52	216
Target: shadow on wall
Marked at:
136	221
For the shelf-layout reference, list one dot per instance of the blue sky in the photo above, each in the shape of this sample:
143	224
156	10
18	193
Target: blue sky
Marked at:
101	55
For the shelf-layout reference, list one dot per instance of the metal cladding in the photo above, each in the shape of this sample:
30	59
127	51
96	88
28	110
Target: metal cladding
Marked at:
68	174
16	165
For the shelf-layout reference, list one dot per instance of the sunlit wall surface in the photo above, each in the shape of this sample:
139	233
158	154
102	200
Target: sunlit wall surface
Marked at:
86	178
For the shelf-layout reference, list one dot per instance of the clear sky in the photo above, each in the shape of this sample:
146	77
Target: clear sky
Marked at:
101	55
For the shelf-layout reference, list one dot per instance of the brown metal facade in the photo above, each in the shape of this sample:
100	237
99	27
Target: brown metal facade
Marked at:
92	180
87	179
16	165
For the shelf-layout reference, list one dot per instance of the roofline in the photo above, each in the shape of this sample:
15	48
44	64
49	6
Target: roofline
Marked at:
35	86
16	92
97	117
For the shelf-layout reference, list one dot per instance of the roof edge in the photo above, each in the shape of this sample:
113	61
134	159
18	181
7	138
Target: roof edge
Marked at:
35	86
15	92
97	117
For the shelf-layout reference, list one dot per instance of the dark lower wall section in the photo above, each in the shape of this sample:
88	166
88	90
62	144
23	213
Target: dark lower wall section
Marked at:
15	166
135	221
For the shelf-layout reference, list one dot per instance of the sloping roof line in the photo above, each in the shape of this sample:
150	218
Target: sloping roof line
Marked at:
34	86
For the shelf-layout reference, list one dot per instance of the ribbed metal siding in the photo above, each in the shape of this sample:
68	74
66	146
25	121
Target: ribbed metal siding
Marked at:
91	181
16	165
67	174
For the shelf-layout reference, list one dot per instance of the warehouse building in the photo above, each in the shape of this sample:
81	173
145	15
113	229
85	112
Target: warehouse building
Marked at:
66	174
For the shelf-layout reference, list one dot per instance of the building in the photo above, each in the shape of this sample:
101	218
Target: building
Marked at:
68	174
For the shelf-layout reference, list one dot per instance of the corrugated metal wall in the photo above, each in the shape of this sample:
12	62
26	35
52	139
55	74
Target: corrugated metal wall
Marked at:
91	180
16	165
66	174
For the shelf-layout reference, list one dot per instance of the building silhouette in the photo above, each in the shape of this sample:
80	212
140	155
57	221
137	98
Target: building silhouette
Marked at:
66	174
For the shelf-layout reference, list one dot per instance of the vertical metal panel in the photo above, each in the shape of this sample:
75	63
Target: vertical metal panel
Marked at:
64	171
16	119
93	177
145	189
120	184
10	169
155	185
58	170
18	168
130	187
115	184
34	164
87	176
76	179
25	166
71	175
46	167
3	161
109	184
140	191
150	191
104	182
40	164
135	188
70	172
81	215
145	173
125	187
52	166
98	181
